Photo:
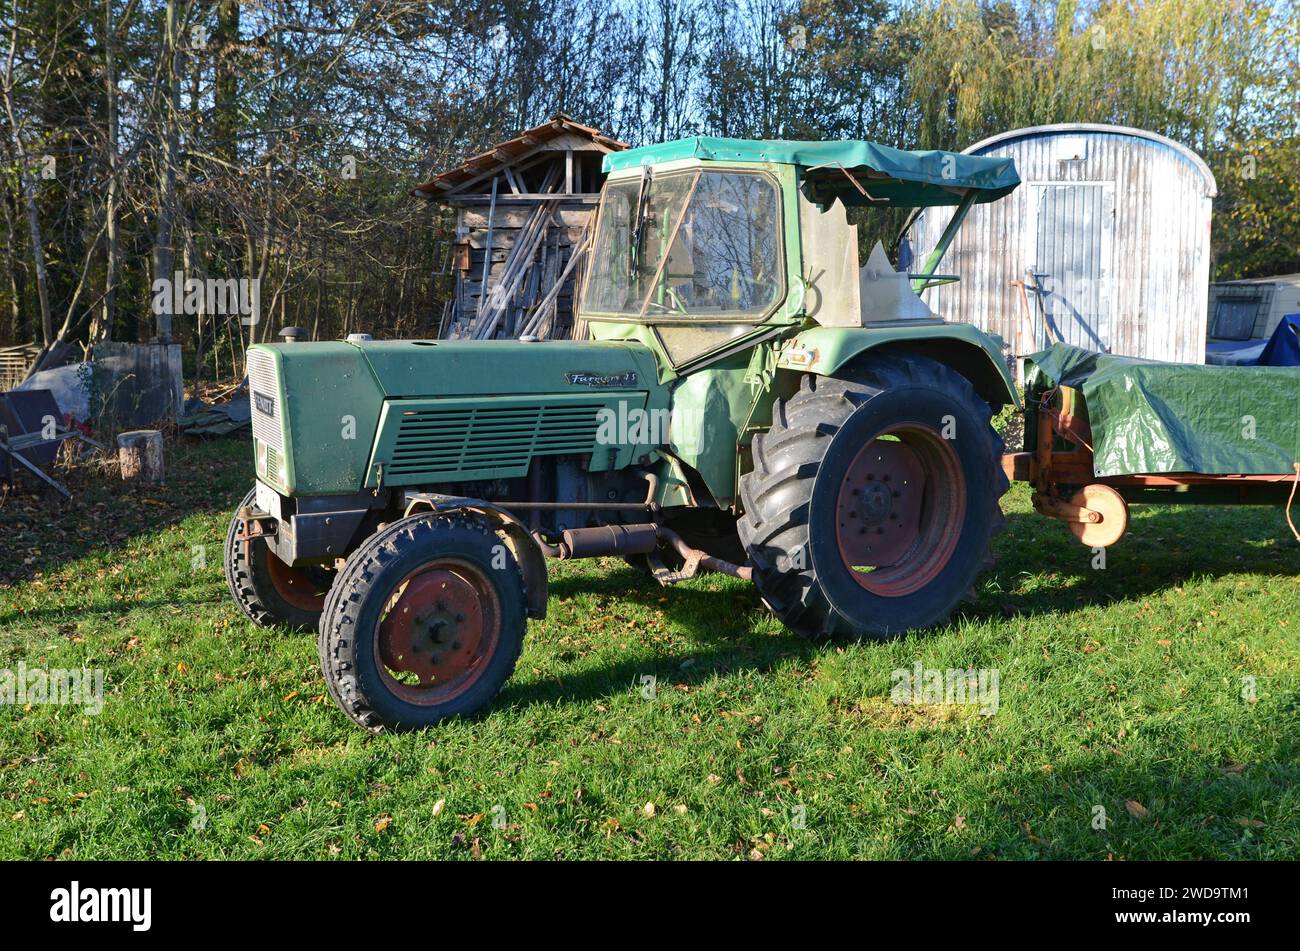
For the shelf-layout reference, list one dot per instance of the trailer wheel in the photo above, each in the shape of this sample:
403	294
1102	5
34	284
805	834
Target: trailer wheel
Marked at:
268	591
873	499
425	622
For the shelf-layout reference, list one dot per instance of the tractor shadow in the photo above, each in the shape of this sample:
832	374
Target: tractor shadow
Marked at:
1042	568
725	624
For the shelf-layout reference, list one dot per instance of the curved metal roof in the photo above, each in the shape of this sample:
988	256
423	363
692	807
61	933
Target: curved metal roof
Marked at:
1066	128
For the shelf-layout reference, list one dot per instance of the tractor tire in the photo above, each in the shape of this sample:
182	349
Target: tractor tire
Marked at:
268	591
425	622
873	499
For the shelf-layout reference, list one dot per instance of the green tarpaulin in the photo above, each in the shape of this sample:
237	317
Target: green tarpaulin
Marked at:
915	179
1149	417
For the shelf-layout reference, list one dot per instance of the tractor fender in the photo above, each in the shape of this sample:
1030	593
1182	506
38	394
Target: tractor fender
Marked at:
971	352
513	532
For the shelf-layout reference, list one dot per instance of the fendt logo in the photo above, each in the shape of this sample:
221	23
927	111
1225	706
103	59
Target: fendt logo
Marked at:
76	904
265	404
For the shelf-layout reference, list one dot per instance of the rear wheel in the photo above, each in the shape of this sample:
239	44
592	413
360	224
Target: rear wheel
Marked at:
425	622
267	590
873	499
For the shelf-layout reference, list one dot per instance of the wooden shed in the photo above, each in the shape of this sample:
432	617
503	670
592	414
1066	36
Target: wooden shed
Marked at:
522	212
1110	231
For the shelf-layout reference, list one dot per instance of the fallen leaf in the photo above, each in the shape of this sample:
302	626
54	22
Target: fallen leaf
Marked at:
649	810
1250	823
383	823
1135	808
437	807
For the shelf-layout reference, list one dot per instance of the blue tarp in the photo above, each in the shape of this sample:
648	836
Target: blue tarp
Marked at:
1283	349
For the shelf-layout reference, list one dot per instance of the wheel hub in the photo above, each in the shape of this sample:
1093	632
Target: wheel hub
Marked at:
879	507
296	585
900	509
874	503
435	629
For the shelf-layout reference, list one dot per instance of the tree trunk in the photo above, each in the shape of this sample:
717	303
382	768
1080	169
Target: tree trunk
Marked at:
112	264
29	197
140	454
169	141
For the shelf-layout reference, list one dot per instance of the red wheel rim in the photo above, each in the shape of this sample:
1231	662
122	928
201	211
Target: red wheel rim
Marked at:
900	508
439	628
294	585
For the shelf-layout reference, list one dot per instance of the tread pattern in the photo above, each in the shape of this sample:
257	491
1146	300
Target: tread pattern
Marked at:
777	492
336	643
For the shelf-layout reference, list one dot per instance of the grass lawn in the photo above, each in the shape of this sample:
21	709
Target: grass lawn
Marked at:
1123	690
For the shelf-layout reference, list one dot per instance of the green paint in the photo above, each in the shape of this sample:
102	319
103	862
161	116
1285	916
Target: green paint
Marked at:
977	354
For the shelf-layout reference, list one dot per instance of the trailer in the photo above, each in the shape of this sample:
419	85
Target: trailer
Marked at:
1108	431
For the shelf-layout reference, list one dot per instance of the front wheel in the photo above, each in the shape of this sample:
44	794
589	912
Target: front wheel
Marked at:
267	590
873	499
425	622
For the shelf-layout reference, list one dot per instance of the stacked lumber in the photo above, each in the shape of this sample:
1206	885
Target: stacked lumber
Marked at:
515	289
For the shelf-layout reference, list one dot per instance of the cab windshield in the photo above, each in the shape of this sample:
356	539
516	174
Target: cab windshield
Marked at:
689	244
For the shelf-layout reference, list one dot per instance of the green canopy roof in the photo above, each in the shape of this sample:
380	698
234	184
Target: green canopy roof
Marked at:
889	176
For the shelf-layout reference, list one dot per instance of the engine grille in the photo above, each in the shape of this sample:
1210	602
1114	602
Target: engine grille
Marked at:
468	442
262	382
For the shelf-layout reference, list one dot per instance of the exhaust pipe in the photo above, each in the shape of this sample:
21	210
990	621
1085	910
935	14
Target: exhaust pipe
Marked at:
637	539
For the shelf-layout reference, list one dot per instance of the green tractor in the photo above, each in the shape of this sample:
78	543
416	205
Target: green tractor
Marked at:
751	401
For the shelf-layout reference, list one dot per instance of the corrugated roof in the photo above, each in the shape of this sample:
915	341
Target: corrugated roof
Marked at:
510	151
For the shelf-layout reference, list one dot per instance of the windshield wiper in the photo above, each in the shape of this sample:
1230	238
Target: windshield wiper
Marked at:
640	218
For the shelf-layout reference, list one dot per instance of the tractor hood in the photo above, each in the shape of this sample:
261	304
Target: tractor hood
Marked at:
431	368
325	415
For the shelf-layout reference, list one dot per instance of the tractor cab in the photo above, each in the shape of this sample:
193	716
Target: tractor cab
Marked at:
705	244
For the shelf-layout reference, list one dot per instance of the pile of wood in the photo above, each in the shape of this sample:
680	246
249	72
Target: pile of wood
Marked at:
527	266
521	294
516	286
